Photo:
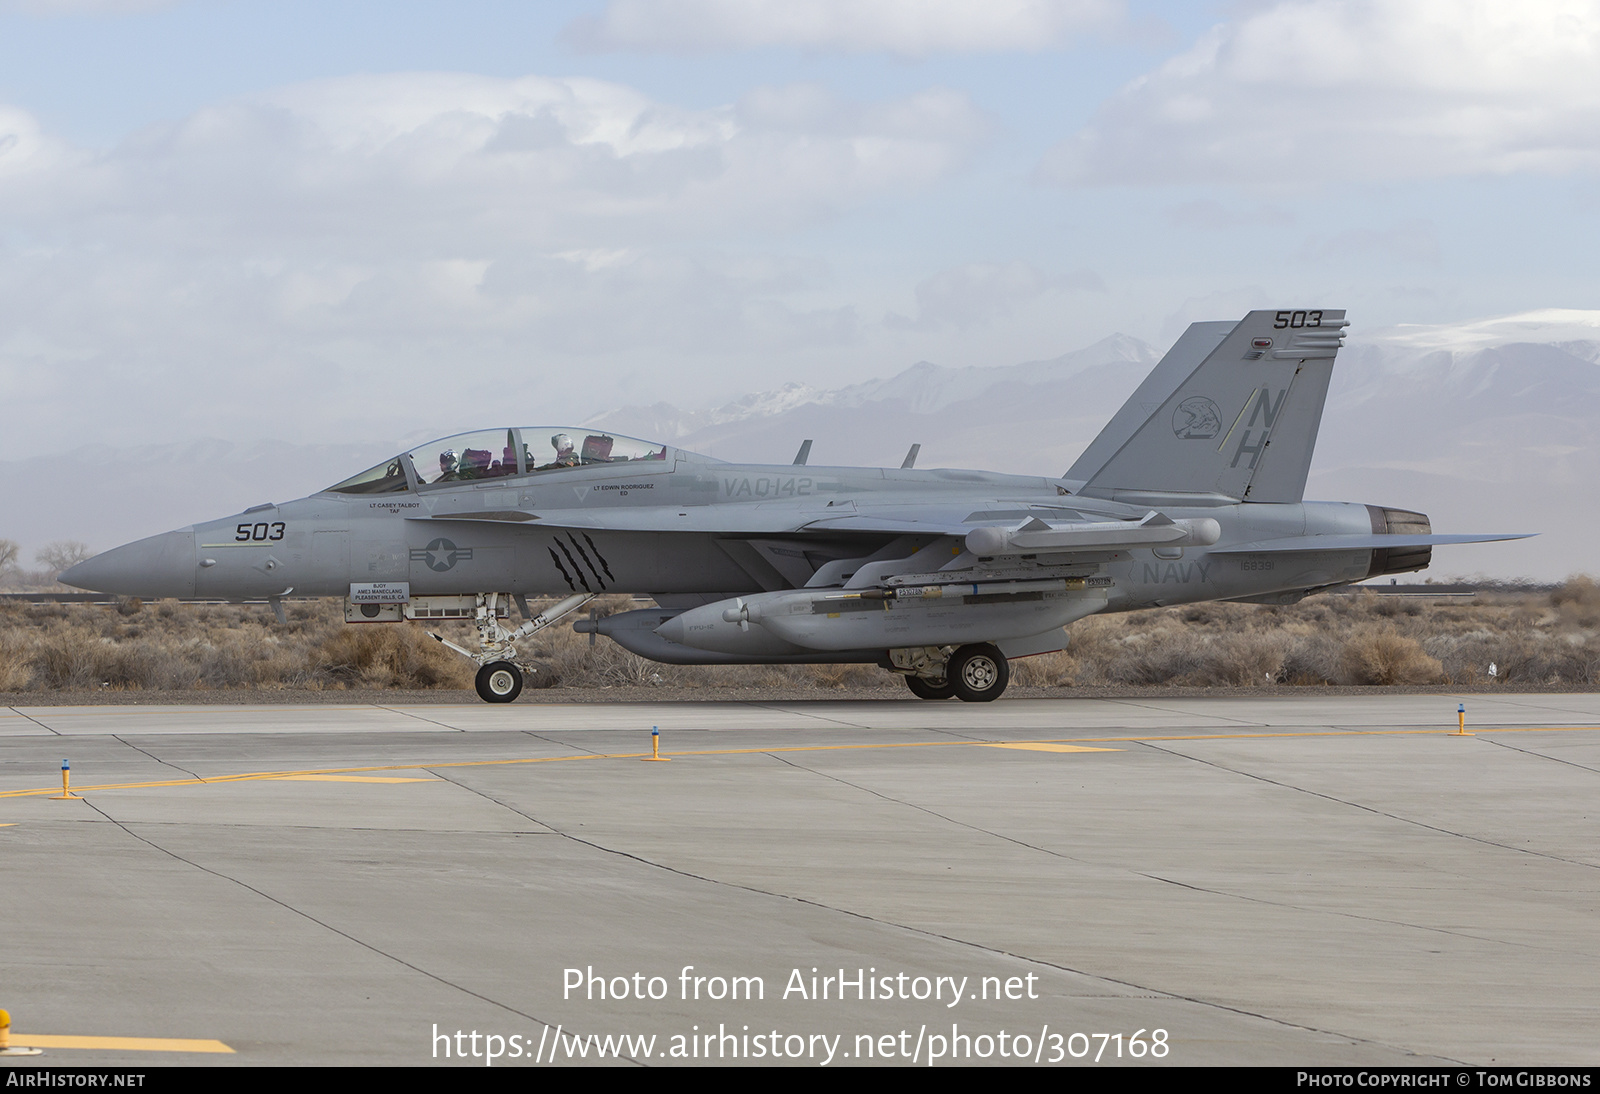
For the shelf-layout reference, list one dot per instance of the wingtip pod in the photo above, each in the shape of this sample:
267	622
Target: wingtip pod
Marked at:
1237	412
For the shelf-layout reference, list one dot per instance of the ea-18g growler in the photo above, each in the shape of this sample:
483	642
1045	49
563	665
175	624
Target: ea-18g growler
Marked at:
1192	492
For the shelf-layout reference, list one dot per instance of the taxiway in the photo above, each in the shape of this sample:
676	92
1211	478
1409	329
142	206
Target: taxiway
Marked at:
1295	880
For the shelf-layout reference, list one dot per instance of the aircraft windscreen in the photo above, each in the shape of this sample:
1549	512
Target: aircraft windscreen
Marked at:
388	477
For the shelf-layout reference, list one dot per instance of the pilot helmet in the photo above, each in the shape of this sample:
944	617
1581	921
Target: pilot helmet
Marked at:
561	443
448	460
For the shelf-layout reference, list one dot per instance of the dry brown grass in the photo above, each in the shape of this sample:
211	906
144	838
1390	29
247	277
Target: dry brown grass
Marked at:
1377	655
1533	639
391	657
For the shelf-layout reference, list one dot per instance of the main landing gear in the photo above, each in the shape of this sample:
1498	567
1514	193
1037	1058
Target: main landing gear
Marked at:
501	673
973	674
923	688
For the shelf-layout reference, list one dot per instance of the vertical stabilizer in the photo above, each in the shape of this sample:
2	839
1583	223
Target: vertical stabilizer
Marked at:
1240	420
1191	348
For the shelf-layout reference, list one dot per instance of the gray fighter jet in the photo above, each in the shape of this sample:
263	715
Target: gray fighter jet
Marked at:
1192	492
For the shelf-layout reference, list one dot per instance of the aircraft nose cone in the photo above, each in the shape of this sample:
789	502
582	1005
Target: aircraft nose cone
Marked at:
159	566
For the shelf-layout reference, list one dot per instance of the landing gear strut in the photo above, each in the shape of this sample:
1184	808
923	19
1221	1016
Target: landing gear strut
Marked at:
502	673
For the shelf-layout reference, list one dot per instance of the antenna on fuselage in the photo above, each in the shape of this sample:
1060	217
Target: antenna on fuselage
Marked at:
804	454
911	458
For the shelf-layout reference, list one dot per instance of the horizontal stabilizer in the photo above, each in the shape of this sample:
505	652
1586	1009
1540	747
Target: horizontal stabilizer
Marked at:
1360	543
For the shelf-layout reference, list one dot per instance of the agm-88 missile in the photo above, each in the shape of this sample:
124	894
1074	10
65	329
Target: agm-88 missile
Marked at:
918	615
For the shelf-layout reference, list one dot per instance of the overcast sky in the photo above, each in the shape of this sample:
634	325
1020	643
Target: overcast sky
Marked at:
316	221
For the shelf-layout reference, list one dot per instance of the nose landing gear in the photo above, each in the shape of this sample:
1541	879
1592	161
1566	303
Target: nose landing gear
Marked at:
502	673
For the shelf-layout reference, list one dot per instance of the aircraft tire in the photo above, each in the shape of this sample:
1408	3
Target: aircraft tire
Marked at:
499	682
978	674
926	689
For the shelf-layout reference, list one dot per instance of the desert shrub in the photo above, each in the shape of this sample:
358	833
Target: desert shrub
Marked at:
1312	660
1203	661
1379	656
65	660
1577	602
610	665
16	668
1535	640
844	676
132	665
1046	670
1388	607
377	656
1578	589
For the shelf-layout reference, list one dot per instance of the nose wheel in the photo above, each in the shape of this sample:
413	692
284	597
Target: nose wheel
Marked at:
504	673
499	682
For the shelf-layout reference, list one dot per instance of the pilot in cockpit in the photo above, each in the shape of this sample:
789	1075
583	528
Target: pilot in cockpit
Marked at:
449	466
566	452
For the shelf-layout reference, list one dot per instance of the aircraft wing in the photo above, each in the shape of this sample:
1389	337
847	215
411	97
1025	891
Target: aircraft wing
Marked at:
992	527
988	528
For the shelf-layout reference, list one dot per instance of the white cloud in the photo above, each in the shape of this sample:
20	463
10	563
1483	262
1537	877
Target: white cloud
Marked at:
272	263
1208	214
1306	90
85	7
1555	325
470	164
981	292
908	27
1411	241
24	147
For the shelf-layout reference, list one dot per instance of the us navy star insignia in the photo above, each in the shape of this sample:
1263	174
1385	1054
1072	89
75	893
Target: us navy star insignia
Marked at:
440	555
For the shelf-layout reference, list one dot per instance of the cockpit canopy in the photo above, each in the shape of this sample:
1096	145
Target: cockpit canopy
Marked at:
498	453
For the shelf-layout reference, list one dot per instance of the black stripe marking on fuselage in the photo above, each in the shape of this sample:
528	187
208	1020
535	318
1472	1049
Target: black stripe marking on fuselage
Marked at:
575	567
585	556
600	556
557	560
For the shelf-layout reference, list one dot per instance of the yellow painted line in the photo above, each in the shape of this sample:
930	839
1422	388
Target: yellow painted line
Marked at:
113	710
124	1044
251	776
1351	732
1043	746
349	779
